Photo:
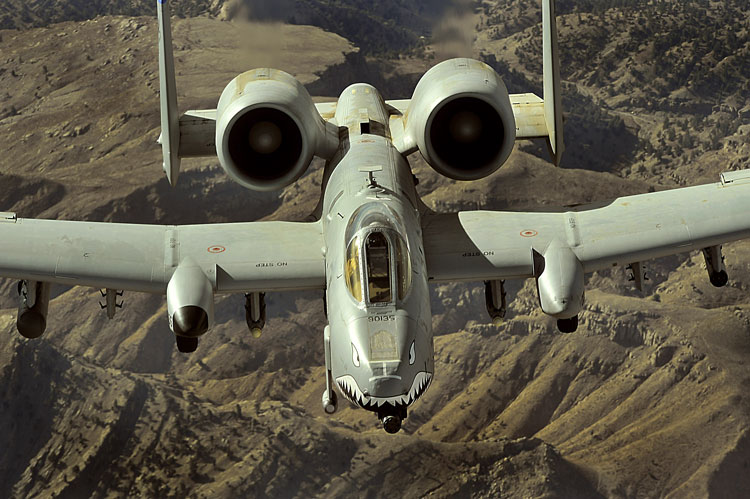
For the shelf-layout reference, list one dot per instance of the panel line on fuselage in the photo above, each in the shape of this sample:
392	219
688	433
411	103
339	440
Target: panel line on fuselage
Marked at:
381	348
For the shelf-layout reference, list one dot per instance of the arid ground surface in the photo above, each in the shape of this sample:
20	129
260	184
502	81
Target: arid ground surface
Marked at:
646	399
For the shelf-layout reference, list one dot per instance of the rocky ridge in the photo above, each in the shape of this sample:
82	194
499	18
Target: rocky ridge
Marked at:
645	399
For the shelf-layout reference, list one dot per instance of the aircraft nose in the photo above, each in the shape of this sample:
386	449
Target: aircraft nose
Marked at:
387	386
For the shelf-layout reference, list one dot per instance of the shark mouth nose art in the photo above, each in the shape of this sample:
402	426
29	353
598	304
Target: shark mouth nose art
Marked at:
349	388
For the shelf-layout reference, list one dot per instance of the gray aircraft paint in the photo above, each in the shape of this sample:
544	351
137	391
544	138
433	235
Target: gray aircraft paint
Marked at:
379	355
379	352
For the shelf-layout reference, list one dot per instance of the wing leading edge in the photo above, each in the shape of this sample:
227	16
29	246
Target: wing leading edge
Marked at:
482	245
236	257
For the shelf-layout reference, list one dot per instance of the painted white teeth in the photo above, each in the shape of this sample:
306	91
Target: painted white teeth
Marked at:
350	389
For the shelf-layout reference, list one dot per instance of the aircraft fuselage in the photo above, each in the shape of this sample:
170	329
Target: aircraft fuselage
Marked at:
380	334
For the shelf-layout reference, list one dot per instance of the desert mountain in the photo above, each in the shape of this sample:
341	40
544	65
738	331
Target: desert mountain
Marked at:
646	399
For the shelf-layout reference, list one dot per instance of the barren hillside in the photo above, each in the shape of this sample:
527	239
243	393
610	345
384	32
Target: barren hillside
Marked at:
645	399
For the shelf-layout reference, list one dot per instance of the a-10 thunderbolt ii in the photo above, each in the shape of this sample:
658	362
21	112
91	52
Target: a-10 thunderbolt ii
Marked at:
375	247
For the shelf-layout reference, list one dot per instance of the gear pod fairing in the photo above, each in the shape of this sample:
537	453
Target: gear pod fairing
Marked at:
190	304
560	281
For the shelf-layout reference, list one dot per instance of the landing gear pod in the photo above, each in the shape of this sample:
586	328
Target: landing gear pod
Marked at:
190	304
32	309
560	284
717	273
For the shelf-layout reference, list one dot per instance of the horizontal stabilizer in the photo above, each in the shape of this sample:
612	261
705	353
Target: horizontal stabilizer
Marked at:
198	134
326	109
528	111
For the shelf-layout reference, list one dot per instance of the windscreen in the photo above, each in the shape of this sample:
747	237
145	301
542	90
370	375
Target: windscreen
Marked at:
353	270
373	258
403	267
378	268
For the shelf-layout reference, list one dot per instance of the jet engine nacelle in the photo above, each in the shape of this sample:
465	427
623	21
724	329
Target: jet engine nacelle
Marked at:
268	130
461	120
190	301
32	309
559	281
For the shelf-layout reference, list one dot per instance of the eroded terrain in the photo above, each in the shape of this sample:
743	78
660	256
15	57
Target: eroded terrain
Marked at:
646	399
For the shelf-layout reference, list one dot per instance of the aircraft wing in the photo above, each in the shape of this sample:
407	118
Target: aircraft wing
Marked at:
236	257
485	245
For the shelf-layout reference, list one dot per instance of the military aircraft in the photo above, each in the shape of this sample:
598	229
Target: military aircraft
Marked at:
374	246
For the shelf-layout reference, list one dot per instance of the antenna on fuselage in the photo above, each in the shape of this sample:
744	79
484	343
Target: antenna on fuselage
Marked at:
170	121
371	170
551	76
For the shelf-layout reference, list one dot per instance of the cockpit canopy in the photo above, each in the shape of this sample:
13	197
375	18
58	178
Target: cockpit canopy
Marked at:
377	256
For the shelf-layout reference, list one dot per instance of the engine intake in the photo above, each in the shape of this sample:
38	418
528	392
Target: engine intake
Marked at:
268	130
461	120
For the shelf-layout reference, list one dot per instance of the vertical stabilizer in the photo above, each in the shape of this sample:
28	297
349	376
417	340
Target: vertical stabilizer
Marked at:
552	98
170	124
